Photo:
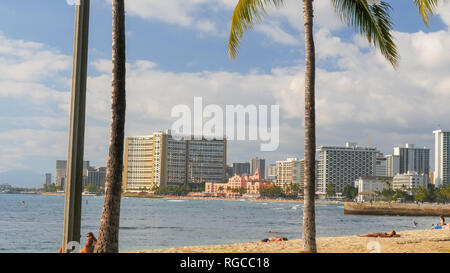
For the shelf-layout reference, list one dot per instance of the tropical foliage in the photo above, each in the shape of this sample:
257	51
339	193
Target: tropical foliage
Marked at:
440	194
350	192
330	190
289	191
178	190
370	20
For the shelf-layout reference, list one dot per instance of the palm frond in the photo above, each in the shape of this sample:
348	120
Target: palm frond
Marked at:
245	14
426	8
372	21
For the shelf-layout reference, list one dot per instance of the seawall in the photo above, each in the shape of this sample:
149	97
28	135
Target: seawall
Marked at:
396	209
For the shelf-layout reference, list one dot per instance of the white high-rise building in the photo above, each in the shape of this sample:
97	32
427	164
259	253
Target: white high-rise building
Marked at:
341	166
441	157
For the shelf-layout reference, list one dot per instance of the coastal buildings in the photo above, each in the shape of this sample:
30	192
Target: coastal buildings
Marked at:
241	168
368	186
229	171
96	177
289	171
412	159
237	185
381	165
48	179
161	160
441	157
61	172
5	186
392	165
341	166
258	164
271	172
409	181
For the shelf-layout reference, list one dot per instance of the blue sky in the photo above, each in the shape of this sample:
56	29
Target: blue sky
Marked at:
176	49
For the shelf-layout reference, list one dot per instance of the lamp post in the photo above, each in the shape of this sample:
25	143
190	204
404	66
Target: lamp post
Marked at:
73	185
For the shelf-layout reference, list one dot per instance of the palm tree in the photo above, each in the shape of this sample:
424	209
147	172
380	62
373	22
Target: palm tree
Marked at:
372	21
108	236
426	8
371	18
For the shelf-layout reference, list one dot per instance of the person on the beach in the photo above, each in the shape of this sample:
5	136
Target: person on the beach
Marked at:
435	227
274	239
88	247
442	220
414	223
381	234
90	244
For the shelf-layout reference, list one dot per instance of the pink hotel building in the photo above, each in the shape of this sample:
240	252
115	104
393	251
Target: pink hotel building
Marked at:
251	184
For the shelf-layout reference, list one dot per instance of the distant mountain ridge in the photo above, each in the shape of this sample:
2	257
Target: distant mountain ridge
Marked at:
22	178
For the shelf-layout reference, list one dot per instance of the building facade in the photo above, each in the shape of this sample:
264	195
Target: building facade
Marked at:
381	165
392	165
258	164
241	169
367	186
341	166
409	181
61	172
48	179
412	159
96	177
162	160
248	185
441	157
271	172
289	172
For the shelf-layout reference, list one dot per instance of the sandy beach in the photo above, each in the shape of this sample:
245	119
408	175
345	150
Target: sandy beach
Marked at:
413	241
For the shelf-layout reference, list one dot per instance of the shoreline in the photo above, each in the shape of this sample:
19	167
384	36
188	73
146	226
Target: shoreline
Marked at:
410	241
251	200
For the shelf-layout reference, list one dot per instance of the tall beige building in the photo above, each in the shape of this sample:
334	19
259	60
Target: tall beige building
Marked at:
289	171
161	160
292	171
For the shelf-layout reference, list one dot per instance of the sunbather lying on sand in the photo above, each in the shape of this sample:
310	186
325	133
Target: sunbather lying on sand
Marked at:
274	239
381	234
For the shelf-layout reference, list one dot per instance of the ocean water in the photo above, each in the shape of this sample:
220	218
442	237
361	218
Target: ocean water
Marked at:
36	225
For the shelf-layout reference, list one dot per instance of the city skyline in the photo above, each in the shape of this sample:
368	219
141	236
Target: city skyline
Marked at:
249	160
357	92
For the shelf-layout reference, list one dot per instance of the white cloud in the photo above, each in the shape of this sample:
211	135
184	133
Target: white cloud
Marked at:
444	12
176	12
29	61
277	34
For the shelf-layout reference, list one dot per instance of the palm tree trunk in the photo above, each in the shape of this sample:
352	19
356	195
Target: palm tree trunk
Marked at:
309	223
108	236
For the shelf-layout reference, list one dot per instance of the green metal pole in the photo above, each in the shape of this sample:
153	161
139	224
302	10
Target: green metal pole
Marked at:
74	181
